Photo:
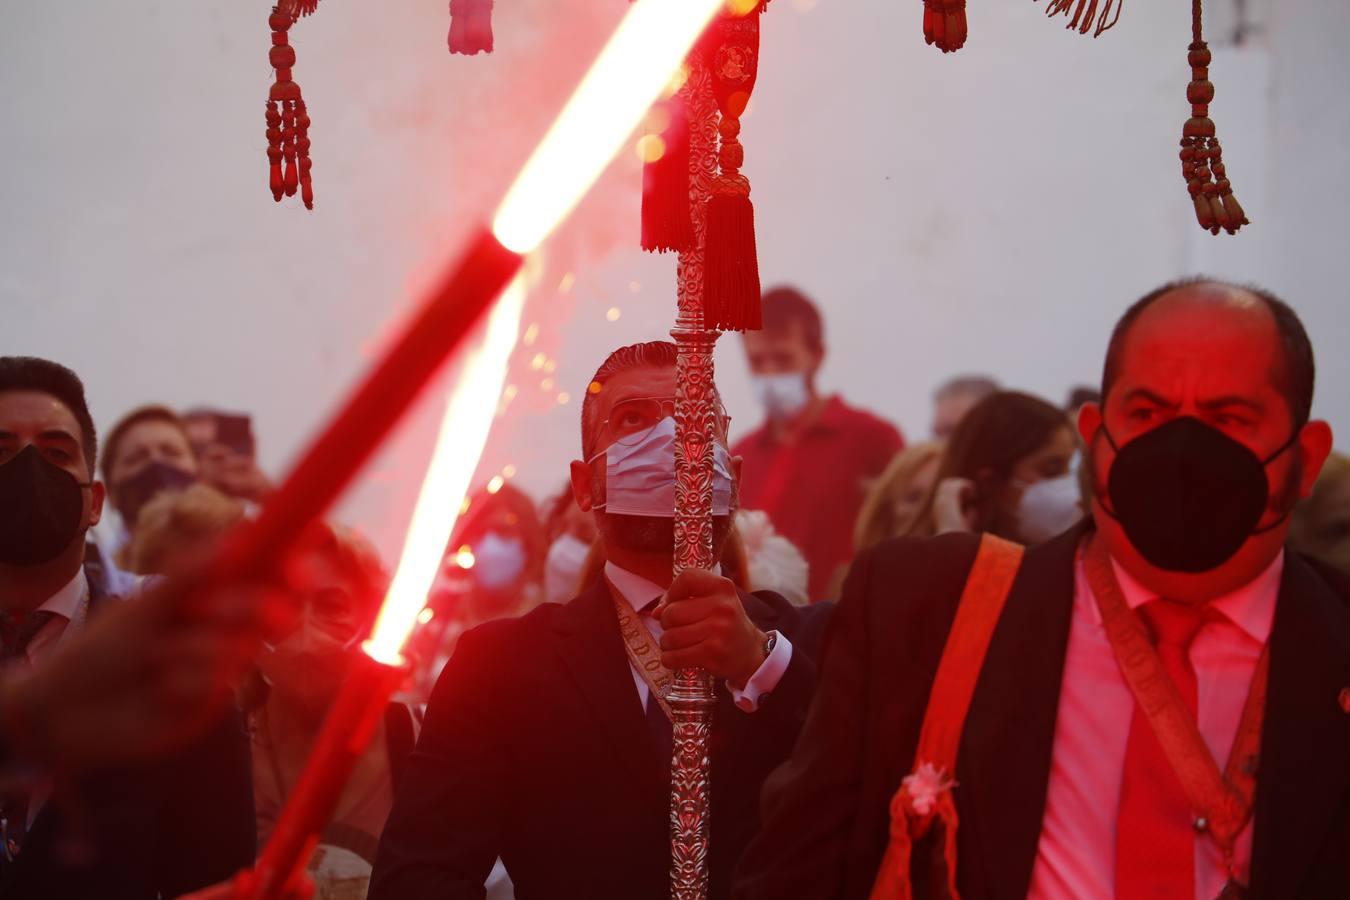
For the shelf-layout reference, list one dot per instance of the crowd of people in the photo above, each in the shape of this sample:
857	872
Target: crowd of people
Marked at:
152	726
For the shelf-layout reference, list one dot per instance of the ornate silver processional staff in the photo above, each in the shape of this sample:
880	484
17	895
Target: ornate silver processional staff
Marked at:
718	289
691	698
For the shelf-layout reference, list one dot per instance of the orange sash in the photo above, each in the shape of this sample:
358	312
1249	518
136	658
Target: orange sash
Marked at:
924	800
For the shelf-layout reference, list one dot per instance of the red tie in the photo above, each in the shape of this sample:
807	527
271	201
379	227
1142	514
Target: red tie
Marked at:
1155	841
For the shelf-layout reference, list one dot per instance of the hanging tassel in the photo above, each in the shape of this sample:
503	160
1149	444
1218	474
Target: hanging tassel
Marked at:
730	265
287	119
297	8
1201	156
927	827
666	222
944	24
1084	12
470	26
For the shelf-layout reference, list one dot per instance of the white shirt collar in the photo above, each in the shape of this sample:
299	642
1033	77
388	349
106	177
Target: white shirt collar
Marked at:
634	589
66	602
1251	607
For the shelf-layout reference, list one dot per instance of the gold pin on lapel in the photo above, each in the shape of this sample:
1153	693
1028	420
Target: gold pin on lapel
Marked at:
1345	700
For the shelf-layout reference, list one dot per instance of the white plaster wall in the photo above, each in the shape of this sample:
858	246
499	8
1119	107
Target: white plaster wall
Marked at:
993	210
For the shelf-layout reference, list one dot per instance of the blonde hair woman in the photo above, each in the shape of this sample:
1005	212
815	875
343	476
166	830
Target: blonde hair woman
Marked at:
897	496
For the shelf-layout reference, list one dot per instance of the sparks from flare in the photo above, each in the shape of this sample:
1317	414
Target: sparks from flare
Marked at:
630	75
459	445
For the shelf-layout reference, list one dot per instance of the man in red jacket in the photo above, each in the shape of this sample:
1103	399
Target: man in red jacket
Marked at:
808	465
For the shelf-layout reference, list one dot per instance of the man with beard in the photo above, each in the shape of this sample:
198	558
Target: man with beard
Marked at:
545	745
1162	706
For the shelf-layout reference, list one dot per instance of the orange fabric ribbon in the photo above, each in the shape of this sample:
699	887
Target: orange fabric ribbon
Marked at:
924	800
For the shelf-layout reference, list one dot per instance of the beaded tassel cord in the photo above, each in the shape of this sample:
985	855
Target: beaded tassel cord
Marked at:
1082	13
287	117
1201	157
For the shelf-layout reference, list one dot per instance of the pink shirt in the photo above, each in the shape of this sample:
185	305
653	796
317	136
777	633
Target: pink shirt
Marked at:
1076	856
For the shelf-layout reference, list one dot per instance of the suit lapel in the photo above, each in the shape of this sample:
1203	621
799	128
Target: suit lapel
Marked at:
1305	741
1006	748
592	651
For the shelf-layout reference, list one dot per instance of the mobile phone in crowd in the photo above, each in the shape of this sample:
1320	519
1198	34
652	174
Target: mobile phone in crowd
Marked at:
236	432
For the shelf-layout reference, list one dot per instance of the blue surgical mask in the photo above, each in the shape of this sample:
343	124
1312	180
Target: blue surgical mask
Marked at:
640	479
783	395
498	561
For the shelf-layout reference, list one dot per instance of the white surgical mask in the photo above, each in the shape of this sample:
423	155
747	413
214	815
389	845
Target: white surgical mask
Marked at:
562	568
498	561
1048	508
783	395
640	480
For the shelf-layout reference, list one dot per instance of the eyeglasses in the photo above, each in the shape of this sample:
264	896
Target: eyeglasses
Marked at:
630	421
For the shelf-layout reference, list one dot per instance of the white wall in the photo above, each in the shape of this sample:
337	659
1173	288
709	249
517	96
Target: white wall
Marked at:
993	210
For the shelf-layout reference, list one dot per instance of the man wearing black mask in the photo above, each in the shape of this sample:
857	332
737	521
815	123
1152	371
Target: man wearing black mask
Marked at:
132	832
1155	704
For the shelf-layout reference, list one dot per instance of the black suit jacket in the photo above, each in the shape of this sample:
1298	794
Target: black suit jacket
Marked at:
535	748
826	811
142	832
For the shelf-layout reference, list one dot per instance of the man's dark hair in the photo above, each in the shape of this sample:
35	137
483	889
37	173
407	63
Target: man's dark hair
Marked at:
1299	372
152	413
32	373
660	354
784	305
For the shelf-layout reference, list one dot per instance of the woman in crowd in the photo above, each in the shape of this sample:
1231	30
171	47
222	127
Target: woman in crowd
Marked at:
176	523
897	497
1321	523
340	584
1007	470
492	569
571	533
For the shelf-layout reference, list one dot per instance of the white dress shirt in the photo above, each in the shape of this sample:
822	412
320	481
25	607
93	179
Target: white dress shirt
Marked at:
1076	857
68	607
638	592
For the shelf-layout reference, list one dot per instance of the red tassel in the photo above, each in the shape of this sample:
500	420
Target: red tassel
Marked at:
666	221
944	24
470	26
287	118
302	154
731	299
274	148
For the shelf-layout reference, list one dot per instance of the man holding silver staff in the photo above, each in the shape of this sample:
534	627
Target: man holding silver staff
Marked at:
547	741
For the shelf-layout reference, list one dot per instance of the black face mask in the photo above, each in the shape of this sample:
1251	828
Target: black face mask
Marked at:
135	492
41	509
1187	495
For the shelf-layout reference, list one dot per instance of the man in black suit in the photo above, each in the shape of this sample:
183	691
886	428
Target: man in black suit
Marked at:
135	831
1200	447
545	746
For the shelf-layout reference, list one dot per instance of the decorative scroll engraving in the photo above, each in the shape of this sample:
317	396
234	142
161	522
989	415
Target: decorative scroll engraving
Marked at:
691	699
